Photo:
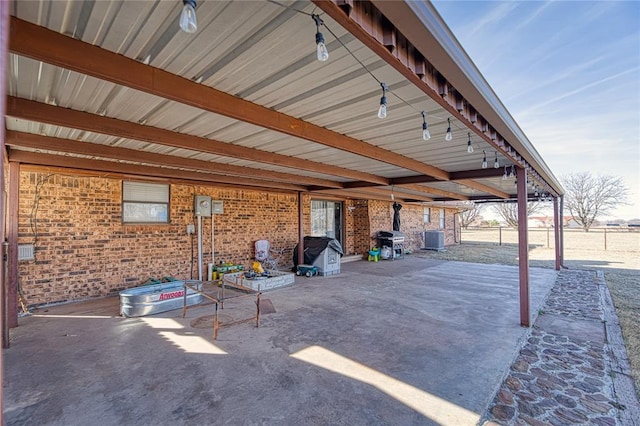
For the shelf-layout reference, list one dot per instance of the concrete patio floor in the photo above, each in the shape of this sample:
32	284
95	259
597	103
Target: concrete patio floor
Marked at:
411	341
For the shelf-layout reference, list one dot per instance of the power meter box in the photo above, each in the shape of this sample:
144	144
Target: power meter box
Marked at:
202	205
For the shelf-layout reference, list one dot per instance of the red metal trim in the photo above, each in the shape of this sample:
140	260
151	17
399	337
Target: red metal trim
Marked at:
523	247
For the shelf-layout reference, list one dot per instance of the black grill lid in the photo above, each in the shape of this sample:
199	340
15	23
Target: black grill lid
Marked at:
390	234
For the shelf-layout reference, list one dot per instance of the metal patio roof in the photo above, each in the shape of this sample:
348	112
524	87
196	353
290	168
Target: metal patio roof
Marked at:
117	87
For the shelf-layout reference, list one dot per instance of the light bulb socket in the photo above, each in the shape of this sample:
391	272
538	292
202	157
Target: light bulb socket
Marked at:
319	38
383	100
191	3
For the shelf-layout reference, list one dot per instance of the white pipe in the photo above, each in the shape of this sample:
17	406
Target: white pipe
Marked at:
213	247
199	248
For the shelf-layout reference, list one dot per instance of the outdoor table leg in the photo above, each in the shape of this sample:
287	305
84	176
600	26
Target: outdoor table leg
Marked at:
184	301
258	310
215	323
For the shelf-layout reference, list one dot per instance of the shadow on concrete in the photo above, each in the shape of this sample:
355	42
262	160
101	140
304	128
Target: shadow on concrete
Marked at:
411	341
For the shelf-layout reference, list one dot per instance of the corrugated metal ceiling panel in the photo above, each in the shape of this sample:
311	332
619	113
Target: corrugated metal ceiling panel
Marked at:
259	51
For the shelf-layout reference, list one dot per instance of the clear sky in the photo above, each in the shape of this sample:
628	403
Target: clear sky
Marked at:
569	74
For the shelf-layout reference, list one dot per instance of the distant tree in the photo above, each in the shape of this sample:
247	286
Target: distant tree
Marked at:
588	196
509	211
470	214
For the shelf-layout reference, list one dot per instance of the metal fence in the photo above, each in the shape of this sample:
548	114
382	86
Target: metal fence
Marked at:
612	239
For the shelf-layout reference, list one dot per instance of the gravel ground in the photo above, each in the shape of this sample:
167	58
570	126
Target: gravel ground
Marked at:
620	263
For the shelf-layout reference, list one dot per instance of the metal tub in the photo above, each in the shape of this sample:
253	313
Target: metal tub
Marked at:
156	298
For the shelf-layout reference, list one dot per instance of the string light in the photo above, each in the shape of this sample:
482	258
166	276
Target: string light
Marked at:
321	48
382	111
323	55
425	127
188	21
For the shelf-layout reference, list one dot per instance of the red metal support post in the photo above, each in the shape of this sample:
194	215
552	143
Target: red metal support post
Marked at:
523	247
11	285
561	231
557	226
300	230
4	57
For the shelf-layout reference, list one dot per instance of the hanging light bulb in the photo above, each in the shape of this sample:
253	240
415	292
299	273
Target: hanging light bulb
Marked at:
382	111
425	127
469	146
496	164
513	172
188	21
505	175
449	135
484	159
321	48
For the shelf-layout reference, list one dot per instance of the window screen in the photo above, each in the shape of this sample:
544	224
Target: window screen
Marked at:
145	202
427	215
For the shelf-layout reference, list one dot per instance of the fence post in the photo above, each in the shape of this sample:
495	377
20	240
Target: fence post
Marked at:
500	233
547	237
605	239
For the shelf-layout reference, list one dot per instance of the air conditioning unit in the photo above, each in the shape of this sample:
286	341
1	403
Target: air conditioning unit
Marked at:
433	240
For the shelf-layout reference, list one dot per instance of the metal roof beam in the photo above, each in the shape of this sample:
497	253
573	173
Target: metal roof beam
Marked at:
33	141
484	188
45	45
453	177
375	193
430	190
65	117
34	158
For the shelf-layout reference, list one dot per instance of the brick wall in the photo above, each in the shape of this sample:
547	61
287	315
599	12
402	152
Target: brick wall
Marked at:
84	250
411	222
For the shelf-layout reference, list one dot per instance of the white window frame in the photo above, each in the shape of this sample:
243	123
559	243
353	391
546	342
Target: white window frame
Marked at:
144	202
426	215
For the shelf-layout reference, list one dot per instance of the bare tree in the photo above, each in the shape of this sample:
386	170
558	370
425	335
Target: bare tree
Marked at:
588	196
470	214
509	211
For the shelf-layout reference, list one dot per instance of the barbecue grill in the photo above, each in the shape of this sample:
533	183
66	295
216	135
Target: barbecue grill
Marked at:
393	240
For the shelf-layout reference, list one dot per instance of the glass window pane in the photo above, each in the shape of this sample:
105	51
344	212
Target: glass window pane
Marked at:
145	212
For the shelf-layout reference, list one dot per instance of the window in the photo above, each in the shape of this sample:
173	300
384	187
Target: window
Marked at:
427	215
145	202
442	221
